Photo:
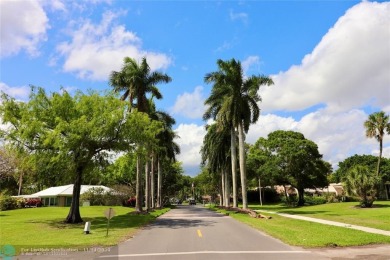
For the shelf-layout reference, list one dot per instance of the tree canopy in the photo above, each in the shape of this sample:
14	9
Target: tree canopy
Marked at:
80	130
287	157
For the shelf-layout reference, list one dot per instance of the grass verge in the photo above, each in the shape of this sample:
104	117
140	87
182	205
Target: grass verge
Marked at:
35	228
345	212
308	234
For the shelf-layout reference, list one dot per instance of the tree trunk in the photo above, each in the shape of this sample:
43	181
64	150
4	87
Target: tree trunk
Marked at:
286	195
159	183
241	140
381	187
147	186
379	158
301	196
222	190
234	165
20	182
74	211
227	188
261	198
152	188
138	191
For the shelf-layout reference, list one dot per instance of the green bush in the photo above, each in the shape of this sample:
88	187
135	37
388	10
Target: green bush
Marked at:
315	200
20	203
95	196
7	202
99	197
291	201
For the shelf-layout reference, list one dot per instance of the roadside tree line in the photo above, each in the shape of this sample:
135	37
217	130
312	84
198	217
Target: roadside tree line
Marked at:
284	157
78	137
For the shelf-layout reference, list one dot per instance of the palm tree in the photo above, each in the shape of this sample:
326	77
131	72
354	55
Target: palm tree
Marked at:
166	147
361	182
233	103
216	155
136	81
376	125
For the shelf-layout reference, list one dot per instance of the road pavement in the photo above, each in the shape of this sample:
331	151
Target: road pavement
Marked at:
193	232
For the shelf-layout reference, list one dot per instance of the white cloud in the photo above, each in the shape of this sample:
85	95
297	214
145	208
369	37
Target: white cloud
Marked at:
238	16
15	92
190	141
23	27
97	49
249	62
190	105
348	68
337	134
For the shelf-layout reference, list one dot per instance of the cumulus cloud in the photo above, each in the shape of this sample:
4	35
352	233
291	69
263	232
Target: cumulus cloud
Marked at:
97	49
23	27
190	105
190	141
348	68
337	134
15	92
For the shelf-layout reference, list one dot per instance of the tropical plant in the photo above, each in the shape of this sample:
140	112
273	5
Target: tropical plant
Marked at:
233	103
215	153
361	181
136	81
376	126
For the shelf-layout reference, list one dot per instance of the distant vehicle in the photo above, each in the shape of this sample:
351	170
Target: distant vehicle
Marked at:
192	202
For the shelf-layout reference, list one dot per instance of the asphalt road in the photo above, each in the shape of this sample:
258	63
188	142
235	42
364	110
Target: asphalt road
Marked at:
193	232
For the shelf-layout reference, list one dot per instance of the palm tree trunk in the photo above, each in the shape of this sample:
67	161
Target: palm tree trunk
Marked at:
380	157
234	165
147	186
381	192
241	141
227	188
152	188
223	190
138	191
159	183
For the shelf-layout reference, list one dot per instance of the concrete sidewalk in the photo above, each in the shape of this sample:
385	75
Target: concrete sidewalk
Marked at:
332	223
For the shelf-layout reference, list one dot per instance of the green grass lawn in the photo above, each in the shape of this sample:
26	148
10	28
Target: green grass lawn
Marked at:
308	234
346	212
44	227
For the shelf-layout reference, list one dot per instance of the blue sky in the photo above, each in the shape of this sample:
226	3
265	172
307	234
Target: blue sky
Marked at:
330	60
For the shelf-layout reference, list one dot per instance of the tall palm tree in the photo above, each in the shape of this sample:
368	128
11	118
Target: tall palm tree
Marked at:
166	147
376	125
233	103
216	155
136	81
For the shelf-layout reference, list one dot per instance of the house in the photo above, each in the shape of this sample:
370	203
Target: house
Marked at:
61	195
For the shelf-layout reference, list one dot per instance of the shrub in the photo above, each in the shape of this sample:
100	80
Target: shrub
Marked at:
315	200
30	203
7	202
291	201
130	202
20	203
95	196
99	197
